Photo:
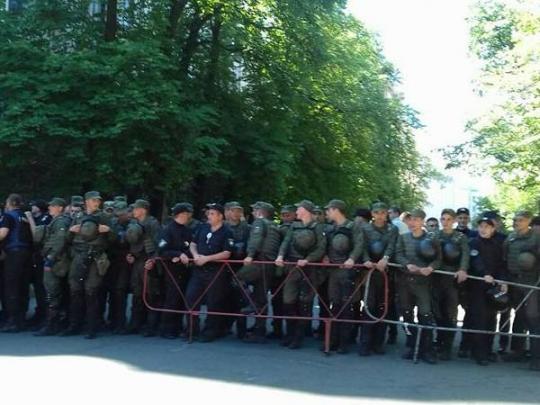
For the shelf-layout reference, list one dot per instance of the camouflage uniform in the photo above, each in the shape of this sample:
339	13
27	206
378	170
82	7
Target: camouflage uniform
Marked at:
142	238
345	241
455	256
380	242
56	258
117	279
88	267
415	289
302	242
263	245
522	254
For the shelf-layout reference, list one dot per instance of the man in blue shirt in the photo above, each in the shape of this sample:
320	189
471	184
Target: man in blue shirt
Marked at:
212	241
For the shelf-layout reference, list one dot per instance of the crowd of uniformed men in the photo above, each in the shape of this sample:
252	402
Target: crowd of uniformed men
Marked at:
83	261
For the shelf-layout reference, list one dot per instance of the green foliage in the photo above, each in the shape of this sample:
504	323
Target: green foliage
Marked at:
506	38
204	100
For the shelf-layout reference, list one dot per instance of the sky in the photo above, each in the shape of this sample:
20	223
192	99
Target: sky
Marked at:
427	41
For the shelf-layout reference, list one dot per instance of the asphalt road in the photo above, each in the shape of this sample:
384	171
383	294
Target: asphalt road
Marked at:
133	369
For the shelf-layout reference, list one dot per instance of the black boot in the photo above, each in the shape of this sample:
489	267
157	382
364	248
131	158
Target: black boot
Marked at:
301	326
427	354
343	337
366	332
76	314
119	302
52	326
290	324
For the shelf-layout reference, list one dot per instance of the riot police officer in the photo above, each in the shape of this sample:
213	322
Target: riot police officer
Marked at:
304	243
418	252
455	259
345	246
522	254
263	245
90	234
142	235
379	248
54	250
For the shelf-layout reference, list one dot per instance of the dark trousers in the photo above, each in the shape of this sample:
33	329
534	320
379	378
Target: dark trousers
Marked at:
37	282
258	276
206	278
527	318
341	286
176	276
445	309
17	274
115	289
373	334
417	292
277	304
481	316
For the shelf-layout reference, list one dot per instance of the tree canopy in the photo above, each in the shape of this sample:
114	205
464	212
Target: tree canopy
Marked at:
505	36
203	100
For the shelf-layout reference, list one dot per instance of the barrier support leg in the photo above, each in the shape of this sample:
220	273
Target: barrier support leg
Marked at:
327	334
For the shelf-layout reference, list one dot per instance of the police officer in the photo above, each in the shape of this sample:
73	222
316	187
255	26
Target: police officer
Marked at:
41	217
378	249
142	235
287	215
90	234
522	254
487	261
234	218
117	279
76	206
455	259
345	246
418	252
463	217
174	249
54	251
263	245
304	243
212	241
16	235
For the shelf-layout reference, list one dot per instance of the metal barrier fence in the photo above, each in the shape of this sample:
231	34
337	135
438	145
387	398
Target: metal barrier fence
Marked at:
364	281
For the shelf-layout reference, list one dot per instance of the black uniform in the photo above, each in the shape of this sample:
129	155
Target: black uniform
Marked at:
175	240
211	276
486	258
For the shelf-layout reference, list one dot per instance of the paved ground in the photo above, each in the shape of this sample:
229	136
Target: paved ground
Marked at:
133	369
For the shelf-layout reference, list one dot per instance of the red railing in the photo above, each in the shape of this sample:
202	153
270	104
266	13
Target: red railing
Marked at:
261	312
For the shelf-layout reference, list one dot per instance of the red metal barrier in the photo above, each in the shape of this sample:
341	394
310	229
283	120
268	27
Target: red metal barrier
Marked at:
260	313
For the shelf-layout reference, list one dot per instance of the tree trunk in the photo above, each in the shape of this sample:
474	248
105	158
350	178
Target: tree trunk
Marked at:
111	22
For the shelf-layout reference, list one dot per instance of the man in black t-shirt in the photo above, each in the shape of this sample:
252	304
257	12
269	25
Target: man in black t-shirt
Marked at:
212	241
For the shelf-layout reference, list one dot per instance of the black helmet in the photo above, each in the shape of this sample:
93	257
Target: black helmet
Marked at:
304	240
426	249
498	300
376	250
89	229
134	233
526	261
341	243
451	252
